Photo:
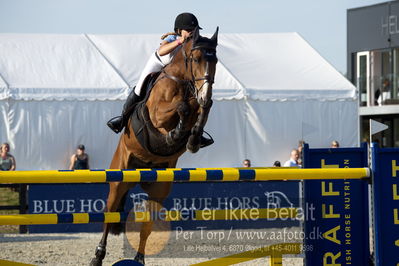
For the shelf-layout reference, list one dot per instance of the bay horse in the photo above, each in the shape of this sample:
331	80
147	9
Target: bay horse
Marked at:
173	117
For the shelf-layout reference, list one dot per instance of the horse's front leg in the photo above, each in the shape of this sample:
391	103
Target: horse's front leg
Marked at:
180	130
194	141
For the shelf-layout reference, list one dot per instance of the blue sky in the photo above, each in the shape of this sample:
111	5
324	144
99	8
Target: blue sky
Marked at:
321	23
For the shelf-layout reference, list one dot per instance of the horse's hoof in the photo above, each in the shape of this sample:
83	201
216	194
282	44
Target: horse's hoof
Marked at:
96	262
169	138
193	149
193	145
139	258
100	255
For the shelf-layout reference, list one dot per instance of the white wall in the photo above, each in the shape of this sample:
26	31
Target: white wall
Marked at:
46	133
265	131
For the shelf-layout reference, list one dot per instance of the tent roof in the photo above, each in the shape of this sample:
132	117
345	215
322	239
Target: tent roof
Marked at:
3	88
281	66
43	67
275	66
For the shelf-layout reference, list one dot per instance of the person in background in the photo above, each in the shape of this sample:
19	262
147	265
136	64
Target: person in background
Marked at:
300	147
277	164
246	163
80	160
293	161
7	161
382	94
334	144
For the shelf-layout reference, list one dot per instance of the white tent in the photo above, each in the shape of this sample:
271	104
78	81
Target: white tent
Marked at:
271	90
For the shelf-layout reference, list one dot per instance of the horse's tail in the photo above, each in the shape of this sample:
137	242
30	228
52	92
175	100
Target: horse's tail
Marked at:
117	228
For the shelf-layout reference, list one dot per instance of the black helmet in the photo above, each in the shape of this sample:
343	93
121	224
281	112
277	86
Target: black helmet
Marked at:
186	21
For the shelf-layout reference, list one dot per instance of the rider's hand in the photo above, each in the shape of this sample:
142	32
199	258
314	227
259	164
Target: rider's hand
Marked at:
184	35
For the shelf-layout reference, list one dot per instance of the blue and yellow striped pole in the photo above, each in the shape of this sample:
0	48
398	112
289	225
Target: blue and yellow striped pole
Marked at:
180	175
145	216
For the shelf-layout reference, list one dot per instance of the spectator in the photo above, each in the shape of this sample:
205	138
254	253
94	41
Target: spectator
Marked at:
80	160
300	147
334	144
277	164
293	161
7	161
246	163
384	93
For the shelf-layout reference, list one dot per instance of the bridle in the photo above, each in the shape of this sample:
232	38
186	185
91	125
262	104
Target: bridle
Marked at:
209	53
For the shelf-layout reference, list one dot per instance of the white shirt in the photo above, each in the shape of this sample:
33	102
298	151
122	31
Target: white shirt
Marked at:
291	163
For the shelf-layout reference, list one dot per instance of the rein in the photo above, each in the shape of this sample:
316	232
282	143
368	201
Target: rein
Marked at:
190	84
184	82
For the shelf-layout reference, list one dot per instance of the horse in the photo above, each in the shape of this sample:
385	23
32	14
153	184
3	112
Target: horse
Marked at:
173	116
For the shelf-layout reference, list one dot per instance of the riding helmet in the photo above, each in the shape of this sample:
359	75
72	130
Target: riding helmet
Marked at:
186	21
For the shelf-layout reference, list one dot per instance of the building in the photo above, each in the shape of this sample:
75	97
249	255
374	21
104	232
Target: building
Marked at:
373	66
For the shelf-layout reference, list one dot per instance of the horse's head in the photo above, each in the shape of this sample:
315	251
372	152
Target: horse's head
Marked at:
201	59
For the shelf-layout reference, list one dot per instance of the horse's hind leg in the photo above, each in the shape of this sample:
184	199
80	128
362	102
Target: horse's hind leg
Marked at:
157	192
101	248
115	202
145	231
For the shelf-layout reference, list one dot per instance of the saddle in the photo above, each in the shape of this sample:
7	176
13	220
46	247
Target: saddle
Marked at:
148	84
147	135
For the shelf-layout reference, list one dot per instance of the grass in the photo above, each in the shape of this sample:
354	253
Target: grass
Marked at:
9	197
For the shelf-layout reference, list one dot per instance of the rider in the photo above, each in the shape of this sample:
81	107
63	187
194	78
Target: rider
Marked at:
185	23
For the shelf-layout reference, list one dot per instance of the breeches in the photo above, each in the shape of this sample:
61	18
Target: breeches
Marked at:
153	65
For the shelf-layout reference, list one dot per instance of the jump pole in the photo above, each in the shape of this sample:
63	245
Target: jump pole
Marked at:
180	175
145	216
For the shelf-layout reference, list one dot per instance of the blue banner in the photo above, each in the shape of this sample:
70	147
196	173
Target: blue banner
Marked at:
385	167
69	198
77	198
338	231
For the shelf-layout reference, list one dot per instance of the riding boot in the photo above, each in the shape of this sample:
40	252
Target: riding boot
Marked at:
119	122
